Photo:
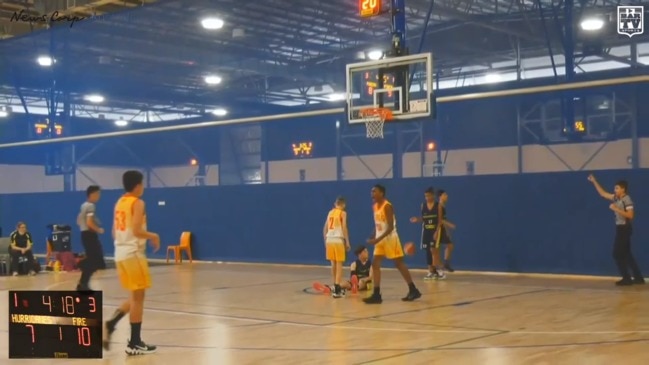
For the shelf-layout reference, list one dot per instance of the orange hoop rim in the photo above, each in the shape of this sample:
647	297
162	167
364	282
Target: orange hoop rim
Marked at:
383	113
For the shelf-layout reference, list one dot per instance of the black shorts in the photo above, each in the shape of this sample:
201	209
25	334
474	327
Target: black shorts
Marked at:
427	240
444	238
93	250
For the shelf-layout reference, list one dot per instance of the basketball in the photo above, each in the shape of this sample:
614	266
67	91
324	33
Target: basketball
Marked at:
409	248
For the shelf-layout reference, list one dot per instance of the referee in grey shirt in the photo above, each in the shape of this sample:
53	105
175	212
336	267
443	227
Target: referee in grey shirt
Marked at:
90	228
622	206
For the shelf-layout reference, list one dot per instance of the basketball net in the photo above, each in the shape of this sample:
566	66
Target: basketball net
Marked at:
374	120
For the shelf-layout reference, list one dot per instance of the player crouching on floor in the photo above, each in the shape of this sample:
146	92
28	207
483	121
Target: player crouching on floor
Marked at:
361	271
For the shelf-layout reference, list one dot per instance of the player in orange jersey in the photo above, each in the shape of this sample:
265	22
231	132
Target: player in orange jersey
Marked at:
130	234
336	239
387	245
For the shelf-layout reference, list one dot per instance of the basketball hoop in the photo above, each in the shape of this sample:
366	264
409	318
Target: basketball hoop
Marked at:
374	119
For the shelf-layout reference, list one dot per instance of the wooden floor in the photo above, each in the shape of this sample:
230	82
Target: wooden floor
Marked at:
262	314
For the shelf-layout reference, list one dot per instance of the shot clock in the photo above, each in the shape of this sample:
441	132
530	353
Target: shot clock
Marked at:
55	324
369	8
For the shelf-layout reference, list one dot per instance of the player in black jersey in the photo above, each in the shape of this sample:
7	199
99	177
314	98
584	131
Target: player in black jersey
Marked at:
429	220
441	235
361	271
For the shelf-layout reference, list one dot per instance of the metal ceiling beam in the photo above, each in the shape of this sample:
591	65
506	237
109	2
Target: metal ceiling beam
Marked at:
141	49
624	60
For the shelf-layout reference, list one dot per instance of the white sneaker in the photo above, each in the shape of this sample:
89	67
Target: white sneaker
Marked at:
429	276
440	275
15	273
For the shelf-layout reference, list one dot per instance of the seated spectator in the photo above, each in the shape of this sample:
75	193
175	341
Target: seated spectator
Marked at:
21	246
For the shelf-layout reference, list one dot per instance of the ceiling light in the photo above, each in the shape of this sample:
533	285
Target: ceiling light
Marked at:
4	112
121	122
94	98
212	23
592	24
375	55
220	112
336	96
45	61
604	105
492	78
213	80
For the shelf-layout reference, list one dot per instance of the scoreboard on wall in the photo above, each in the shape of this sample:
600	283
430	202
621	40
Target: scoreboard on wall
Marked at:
302	149
44	129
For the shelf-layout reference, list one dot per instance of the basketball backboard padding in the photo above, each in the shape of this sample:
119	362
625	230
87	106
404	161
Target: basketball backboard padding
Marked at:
402	84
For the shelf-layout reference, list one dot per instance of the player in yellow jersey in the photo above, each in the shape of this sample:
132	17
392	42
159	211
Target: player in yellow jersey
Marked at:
336	239
387	245
130	234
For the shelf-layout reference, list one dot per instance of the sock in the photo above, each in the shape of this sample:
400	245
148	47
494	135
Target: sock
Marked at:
337	288
135	333
377	291
112	322
84	281
412	287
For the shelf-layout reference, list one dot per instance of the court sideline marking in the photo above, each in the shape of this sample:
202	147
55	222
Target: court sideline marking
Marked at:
484	333
334	326
430	348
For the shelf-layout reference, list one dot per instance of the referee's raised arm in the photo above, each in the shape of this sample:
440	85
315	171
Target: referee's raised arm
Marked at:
600	190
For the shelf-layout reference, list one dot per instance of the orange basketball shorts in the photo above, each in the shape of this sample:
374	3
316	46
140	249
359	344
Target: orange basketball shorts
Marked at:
336	252
390	247
133	273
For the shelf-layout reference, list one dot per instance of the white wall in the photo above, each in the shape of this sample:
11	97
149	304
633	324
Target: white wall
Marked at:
15	179
367	167
316	169
179	176
643	153
612	155
106	177
411	164
168	176
536	158
27	179
487	161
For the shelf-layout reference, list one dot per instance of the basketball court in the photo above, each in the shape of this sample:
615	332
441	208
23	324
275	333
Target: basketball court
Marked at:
209	313
236	313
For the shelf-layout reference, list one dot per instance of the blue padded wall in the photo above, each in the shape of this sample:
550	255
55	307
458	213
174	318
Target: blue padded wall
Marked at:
550	223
